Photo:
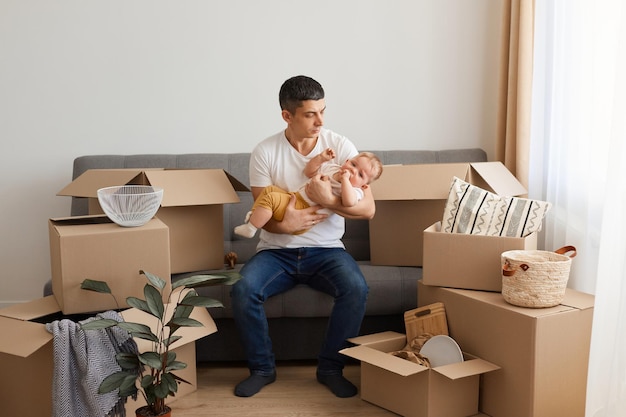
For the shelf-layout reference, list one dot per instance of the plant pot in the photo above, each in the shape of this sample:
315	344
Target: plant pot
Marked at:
145	412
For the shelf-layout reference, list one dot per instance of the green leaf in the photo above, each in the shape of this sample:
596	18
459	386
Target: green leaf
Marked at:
127	360
112	382
122	380
97	286
177	322
154	280
99	324
162	389
134	327
185	322
180	379
128	385
149	391
201	301
175	366
151	359
146	381
155	301
138	303
171	382
183	311
190	294
198	280
206	280
167	342
171	357
130	391
146	336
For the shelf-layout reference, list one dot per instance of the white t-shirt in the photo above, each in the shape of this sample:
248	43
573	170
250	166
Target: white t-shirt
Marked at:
275	162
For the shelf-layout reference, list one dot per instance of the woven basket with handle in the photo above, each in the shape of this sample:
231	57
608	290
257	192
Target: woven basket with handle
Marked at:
536	278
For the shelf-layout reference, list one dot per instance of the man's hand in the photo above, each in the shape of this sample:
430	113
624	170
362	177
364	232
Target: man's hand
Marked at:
296	220
319	190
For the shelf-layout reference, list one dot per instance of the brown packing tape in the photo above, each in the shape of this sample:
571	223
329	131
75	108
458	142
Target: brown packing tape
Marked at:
427	319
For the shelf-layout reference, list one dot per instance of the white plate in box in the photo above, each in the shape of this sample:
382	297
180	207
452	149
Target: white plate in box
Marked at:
441	350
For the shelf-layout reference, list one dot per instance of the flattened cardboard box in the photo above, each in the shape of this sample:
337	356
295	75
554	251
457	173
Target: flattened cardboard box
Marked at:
410	198
191	207
412	390
472	262
543	353
26	353
94	247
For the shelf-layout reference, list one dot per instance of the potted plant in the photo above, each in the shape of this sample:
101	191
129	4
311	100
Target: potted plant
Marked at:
154	369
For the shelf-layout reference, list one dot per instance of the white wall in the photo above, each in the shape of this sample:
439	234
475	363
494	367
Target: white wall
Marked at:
95	77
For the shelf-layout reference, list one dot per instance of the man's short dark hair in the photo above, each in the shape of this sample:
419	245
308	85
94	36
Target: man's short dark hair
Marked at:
298	89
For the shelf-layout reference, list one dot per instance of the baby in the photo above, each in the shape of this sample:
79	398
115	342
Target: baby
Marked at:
347	181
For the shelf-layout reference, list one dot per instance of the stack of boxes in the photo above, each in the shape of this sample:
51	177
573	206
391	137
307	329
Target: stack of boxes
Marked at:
538	357
543	353
186	235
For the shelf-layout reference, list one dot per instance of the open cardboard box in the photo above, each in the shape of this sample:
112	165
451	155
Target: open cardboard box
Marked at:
96	248
191	207
410	198
543	352
26	354
467	261
412	390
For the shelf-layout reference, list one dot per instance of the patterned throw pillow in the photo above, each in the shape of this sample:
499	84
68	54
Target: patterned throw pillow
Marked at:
472	210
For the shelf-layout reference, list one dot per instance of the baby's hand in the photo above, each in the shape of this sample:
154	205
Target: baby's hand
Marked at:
345	174
328	154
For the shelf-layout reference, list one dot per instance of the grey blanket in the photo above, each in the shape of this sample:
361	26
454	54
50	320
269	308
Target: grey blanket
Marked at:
82	359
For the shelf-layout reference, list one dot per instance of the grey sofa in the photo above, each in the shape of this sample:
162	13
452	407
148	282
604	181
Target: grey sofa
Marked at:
297	319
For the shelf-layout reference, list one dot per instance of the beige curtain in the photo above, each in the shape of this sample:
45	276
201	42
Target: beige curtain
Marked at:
516	69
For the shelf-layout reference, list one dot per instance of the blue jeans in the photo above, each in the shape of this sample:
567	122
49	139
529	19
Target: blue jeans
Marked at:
271	272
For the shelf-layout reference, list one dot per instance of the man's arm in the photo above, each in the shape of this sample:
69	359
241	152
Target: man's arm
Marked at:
294	220
318	189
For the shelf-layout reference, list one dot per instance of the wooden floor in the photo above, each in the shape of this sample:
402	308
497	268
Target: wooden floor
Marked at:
296	393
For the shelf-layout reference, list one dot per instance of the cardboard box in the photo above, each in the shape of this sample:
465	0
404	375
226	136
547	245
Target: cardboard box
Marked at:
412	390
26	353
410	198
96	248
191	207
543	353
467	261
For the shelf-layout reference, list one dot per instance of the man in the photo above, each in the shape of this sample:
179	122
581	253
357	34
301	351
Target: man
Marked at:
316	258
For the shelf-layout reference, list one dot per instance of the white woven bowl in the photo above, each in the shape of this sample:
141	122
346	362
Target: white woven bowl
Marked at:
130	205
